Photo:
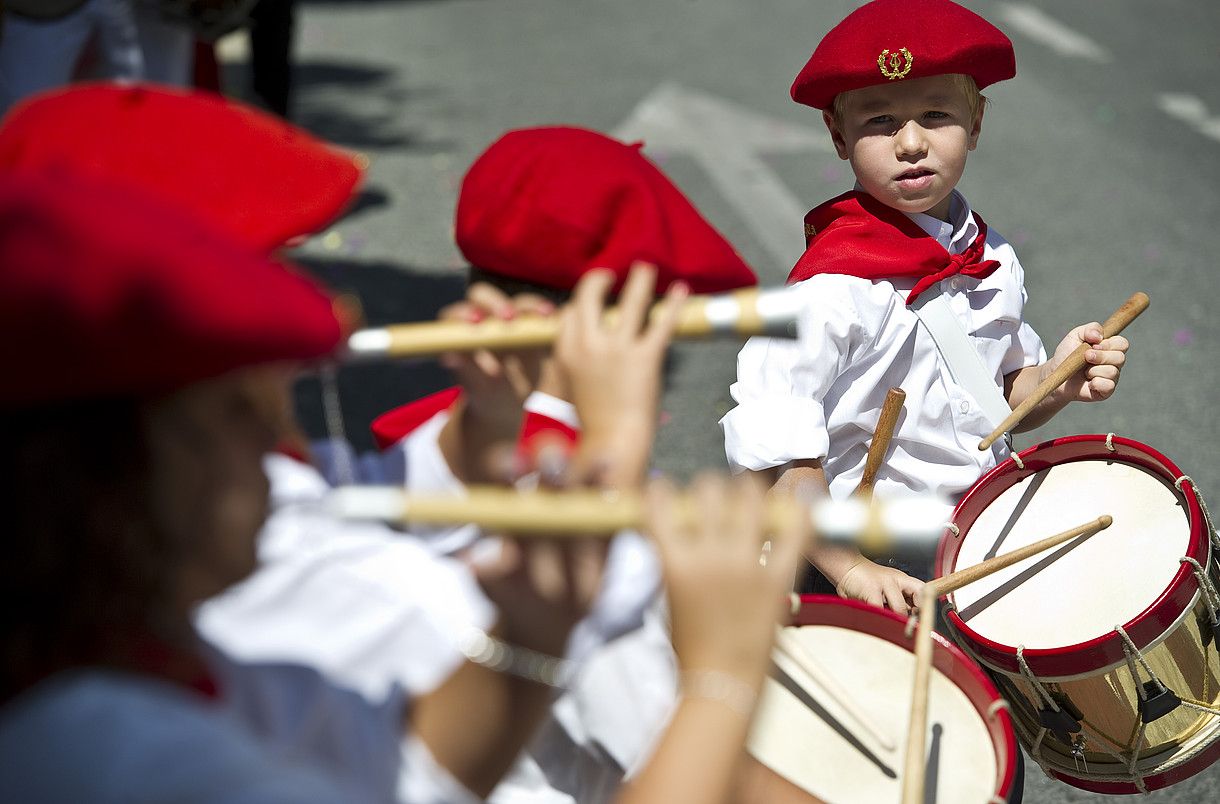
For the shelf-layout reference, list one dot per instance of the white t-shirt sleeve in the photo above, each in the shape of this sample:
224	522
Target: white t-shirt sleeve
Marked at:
781	383
1027	348
1023	347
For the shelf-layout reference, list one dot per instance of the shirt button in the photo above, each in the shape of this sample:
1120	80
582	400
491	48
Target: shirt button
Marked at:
955	283
964	407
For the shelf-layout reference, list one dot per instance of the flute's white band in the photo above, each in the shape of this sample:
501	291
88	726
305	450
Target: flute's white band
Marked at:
723	313
779	309
369	343
496	654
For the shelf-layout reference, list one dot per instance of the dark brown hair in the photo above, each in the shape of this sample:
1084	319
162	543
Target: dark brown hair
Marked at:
85	571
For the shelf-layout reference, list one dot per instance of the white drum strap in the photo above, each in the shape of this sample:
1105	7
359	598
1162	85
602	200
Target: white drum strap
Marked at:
1207	514
965	365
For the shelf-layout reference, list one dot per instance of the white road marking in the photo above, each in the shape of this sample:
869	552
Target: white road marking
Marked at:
1034	23
1192	111
726	139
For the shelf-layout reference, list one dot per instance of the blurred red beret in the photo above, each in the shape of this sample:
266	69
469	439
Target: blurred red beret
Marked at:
892	40
249	174
106	293
546	205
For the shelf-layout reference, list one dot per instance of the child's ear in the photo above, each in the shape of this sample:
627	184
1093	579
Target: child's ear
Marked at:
976	129
836	136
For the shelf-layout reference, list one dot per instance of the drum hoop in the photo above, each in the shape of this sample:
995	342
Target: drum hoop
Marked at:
1165	768
1092	672
1148	627
948	658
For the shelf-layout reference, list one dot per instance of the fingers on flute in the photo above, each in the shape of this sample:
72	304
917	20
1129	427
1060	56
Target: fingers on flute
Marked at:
589	300
665	321
636	298
490	300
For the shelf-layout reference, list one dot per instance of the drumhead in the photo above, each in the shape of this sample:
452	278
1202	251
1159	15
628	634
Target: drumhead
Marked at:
1064	605
1081	591
803	734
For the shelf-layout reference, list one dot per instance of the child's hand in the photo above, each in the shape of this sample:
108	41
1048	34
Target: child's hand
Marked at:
726	591
497	384
881	586
613	368
1103	364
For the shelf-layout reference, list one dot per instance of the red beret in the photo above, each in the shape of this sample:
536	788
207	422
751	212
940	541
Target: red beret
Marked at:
889	40
249	174
107	293
545	205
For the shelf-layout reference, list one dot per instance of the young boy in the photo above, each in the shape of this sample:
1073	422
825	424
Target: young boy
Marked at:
897	83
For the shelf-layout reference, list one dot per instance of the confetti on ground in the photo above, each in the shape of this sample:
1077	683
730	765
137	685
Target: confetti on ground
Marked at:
356	243
1184	337
665	418
332	241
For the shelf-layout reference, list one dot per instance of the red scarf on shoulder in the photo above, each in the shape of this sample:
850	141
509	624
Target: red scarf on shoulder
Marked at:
857	235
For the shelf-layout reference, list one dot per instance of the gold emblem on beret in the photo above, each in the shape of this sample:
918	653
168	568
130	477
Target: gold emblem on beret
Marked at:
892	64
810	231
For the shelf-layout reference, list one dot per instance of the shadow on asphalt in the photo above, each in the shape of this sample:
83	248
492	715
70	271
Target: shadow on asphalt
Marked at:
389	293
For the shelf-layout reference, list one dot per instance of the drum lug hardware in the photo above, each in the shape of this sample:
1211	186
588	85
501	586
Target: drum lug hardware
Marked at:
1077	749
1158	702
1059	722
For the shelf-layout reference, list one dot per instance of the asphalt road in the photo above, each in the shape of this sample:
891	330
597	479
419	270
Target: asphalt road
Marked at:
1100	162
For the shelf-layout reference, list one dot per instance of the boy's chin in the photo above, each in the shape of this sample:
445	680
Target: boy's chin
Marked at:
926	206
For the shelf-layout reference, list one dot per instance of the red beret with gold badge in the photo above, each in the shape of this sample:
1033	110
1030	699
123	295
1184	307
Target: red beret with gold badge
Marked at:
892	40
107	293
546	205
249	174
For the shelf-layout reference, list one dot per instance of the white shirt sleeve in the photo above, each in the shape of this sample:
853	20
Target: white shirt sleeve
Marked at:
781	383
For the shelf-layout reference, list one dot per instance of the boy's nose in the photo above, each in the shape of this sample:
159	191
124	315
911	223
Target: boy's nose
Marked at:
910	140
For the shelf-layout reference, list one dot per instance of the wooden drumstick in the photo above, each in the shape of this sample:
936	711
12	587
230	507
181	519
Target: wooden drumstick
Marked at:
1113	325
742	313
890	409
791	647
913	773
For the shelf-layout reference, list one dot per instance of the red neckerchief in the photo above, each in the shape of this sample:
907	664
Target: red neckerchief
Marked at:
394	425
857	235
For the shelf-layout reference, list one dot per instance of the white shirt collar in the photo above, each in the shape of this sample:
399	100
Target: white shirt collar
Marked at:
956	236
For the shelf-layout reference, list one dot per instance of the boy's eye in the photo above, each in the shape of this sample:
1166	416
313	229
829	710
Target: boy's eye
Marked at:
880	120
934	115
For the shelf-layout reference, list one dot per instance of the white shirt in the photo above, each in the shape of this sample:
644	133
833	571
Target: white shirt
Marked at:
819	397
367	605
279	733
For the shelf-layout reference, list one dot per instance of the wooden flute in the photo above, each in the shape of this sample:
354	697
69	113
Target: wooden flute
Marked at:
908	525
739	314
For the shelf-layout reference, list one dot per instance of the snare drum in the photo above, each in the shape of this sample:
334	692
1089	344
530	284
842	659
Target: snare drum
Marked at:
1106	647
814	745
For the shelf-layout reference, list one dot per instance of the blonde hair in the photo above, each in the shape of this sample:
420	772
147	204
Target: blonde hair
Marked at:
975	100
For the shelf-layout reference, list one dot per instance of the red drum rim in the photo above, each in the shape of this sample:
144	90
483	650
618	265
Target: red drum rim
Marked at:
946	657
1106	650
1153	781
